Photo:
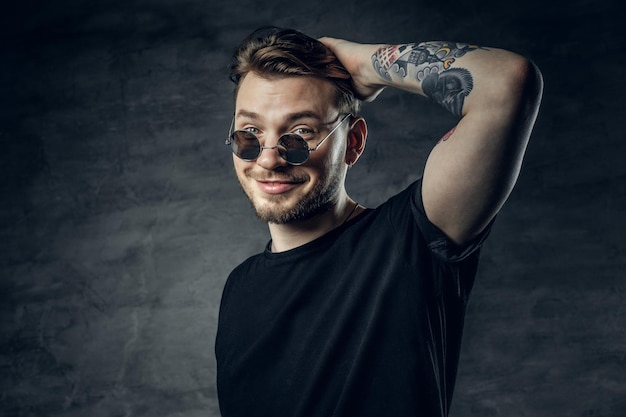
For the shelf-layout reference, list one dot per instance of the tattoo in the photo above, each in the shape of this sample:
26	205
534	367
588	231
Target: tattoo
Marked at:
449	88
430	64
447	135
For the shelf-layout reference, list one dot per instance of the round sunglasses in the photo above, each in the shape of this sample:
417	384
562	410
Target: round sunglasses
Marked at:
291	147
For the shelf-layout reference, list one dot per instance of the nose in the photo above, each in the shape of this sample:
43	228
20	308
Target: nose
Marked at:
270	158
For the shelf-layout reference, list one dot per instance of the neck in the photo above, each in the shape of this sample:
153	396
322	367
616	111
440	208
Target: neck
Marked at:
291	235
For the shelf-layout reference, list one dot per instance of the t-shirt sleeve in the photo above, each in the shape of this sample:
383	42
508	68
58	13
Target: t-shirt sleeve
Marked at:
437	240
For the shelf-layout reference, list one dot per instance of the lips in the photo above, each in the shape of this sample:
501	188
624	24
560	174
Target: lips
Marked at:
276	184
272	182
276	187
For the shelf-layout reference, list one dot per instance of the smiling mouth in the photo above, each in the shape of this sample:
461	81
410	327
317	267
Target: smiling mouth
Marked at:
275	183
277	186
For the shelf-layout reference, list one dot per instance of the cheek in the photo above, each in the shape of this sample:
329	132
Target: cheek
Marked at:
241	168
328	165
239	164
338	155
335	153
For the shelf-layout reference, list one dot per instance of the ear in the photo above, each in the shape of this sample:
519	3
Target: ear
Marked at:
357	136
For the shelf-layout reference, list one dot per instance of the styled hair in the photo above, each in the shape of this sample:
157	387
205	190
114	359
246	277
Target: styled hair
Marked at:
277	52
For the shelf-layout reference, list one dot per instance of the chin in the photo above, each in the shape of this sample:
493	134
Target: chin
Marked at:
298	205
282	211
295	214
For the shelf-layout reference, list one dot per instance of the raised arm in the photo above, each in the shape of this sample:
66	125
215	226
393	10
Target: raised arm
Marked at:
471	171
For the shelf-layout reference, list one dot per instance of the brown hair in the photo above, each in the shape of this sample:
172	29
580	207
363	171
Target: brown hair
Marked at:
272	51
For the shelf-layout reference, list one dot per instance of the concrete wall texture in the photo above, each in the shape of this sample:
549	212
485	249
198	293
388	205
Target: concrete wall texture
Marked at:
121	218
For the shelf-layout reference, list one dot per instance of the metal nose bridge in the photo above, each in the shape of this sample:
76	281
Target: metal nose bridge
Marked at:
263	147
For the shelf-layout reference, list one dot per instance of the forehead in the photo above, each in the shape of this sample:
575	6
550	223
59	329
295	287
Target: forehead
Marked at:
276	96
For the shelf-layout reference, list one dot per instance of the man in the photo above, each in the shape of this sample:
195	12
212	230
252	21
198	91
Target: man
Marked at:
352	311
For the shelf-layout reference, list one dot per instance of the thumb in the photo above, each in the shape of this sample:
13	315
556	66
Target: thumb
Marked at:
329	42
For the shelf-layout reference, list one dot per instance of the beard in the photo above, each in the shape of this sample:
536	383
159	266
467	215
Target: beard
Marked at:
317	201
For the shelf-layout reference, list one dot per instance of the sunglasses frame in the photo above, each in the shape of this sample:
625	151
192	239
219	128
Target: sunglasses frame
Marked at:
231	134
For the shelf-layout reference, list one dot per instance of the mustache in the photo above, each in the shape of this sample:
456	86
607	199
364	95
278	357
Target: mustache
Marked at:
276	176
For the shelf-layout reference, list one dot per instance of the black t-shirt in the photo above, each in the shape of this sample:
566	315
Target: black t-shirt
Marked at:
363	321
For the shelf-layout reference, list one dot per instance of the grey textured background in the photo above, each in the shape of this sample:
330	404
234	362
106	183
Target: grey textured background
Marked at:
121	218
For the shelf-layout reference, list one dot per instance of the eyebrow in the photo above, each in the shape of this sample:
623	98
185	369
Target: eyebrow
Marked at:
292	117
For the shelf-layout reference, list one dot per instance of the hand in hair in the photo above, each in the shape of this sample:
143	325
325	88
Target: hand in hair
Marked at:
356	58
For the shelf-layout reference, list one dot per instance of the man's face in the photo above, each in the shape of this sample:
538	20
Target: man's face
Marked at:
283	193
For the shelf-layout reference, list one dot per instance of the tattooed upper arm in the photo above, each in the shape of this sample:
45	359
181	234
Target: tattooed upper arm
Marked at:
430	65
466	181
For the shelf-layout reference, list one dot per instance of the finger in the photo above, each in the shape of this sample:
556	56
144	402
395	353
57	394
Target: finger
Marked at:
328	41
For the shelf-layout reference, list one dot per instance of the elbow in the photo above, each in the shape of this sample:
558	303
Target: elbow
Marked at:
536	87
527	85
517	97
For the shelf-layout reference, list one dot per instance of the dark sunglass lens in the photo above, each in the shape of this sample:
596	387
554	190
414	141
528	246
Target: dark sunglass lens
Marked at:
245	145
293	149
